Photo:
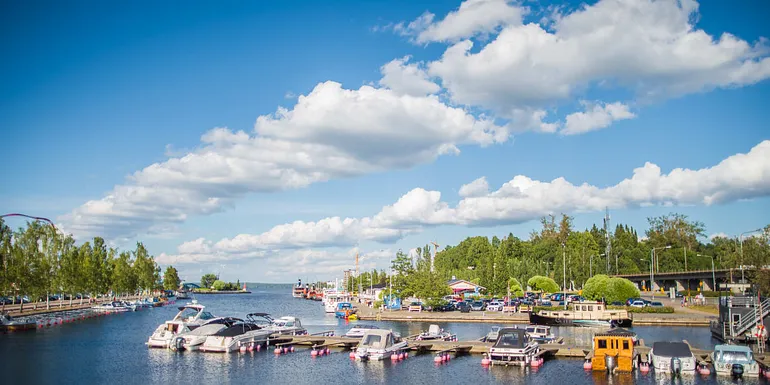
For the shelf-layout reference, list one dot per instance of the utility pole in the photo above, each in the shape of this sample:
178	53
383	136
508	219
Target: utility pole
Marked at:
564	273
608	238
358	276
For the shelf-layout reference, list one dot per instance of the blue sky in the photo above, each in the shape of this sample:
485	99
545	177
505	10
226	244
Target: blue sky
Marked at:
96	92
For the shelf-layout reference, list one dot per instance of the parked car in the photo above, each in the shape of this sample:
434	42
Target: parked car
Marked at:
447	306
477	305
656	304
546	303
617	303
495	306
463	307
638	303
415	306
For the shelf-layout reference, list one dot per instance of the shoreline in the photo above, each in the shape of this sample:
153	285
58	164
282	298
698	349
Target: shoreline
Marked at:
639	319
222	292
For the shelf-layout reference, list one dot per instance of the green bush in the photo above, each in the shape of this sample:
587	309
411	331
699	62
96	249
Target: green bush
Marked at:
516	289
611	289
710	294
218	285
647	309
542	283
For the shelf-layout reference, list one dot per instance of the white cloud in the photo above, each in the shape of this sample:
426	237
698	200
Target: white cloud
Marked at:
718	235
330	133
478	187
407	79
473	17
595	117
650	47
741	176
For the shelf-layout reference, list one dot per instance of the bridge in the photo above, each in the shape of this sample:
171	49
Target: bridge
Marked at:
688	280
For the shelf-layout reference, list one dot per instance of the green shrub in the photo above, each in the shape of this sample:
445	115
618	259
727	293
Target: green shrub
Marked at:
647	309
611	289
542	283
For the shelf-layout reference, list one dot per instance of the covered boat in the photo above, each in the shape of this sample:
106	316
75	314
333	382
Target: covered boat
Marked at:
513	347
344	310
613	351
734	360
582	314
672	357
435	333
193	339
377	344
187	319
358	331
332	297
540	334
231	339
113	307
9	324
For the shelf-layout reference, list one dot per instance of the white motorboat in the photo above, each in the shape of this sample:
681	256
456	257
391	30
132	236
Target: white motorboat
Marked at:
435	333
734	360
8	323
332	297
193	339
672	357
376	344
230	339
358	331
513	347
284	326
189	317
113	307
540	334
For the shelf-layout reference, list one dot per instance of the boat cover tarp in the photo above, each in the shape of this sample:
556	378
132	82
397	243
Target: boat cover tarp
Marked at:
511	338
237	330
671	349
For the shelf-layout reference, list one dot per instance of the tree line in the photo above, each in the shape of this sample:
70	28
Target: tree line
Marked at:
39	260
560	252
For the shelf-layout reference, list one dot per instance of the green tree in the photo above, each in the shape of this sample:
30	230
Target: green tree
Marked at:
207	280
544	284
515	287
171	279
219	285
124	278
610	289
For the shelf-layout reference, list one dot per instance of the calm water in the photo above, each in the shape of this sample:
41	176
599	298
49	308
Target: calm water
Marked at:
111	350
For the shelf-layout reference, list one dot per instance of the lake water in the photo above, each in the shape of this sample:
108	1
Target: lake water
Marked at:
111	350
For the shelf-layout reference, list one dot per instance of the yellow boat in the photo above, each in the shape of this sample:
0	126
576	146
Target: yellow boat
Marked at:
613	351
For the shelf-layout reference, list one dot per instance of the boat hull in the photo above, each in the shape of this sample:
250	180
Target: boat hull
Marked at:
19	327
558	321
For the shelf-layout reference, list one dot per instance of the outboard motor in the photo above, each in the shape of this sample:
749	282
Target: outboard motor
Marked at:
178	344
676	366
609	362
737	370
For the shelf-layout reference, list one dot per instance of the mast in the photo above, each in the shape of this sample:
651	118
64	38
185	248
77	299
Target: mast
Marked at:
608	239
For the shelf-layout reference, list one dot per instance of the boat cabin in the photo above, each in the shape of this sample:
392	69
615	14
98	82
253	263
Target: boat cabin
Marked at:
587	310
190	313
288	322
613	349
376	339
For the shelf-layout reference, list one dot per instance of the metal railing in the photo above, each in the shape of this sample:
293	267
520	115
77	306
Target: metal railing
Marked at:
752	318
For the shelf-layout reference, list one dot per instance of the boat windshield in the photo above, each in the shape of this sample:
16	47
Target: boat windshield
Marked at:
373	341
187	313
206	315
509	339
734	357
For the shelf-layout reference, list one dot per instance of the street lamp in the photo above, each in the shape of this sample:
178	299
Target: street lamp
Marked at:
564	273
652	265
740	237
713	275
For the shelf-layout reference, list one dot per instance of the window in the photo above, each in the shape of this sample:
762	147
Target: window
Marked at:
602	344
625	344
584	307
590	308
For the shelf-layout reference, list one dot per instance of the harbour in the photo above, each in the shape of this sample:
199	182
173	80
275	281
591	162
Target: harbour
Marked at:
116	343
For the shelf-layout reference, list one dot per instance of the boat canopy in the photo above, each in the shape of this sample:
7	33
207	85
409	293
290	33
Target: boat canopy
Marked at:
377	339
734	354
671	349
511	338
260	318
434	329
237	330
616	332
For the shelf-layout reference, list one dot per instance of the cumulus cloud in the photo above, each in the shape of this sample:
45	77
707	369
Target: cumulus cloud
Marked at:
472	18
407	79
650	47
330	133
741	176
718	235
595	117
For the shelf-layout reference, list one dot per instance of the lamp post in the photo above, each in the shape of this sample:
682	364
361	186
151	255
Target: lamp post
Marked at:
564	273
652	270
740	237
713	275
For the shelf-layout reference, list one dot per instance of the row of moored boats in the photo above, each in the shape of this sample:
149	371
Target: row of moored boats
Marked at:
195	329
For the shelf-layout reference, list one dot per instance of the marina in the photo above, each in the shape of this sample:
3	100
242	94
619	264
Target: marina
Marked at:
571	349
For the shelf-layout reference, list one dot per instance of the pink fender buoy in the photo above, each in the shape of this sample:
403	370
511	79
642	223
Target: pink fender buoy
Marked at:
587	365
534	363
242	349
285	350
291	348
644	367
259	347
394	357
485	361
352	354
401	356
767	374
437	359
277	351
704	370
313	353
